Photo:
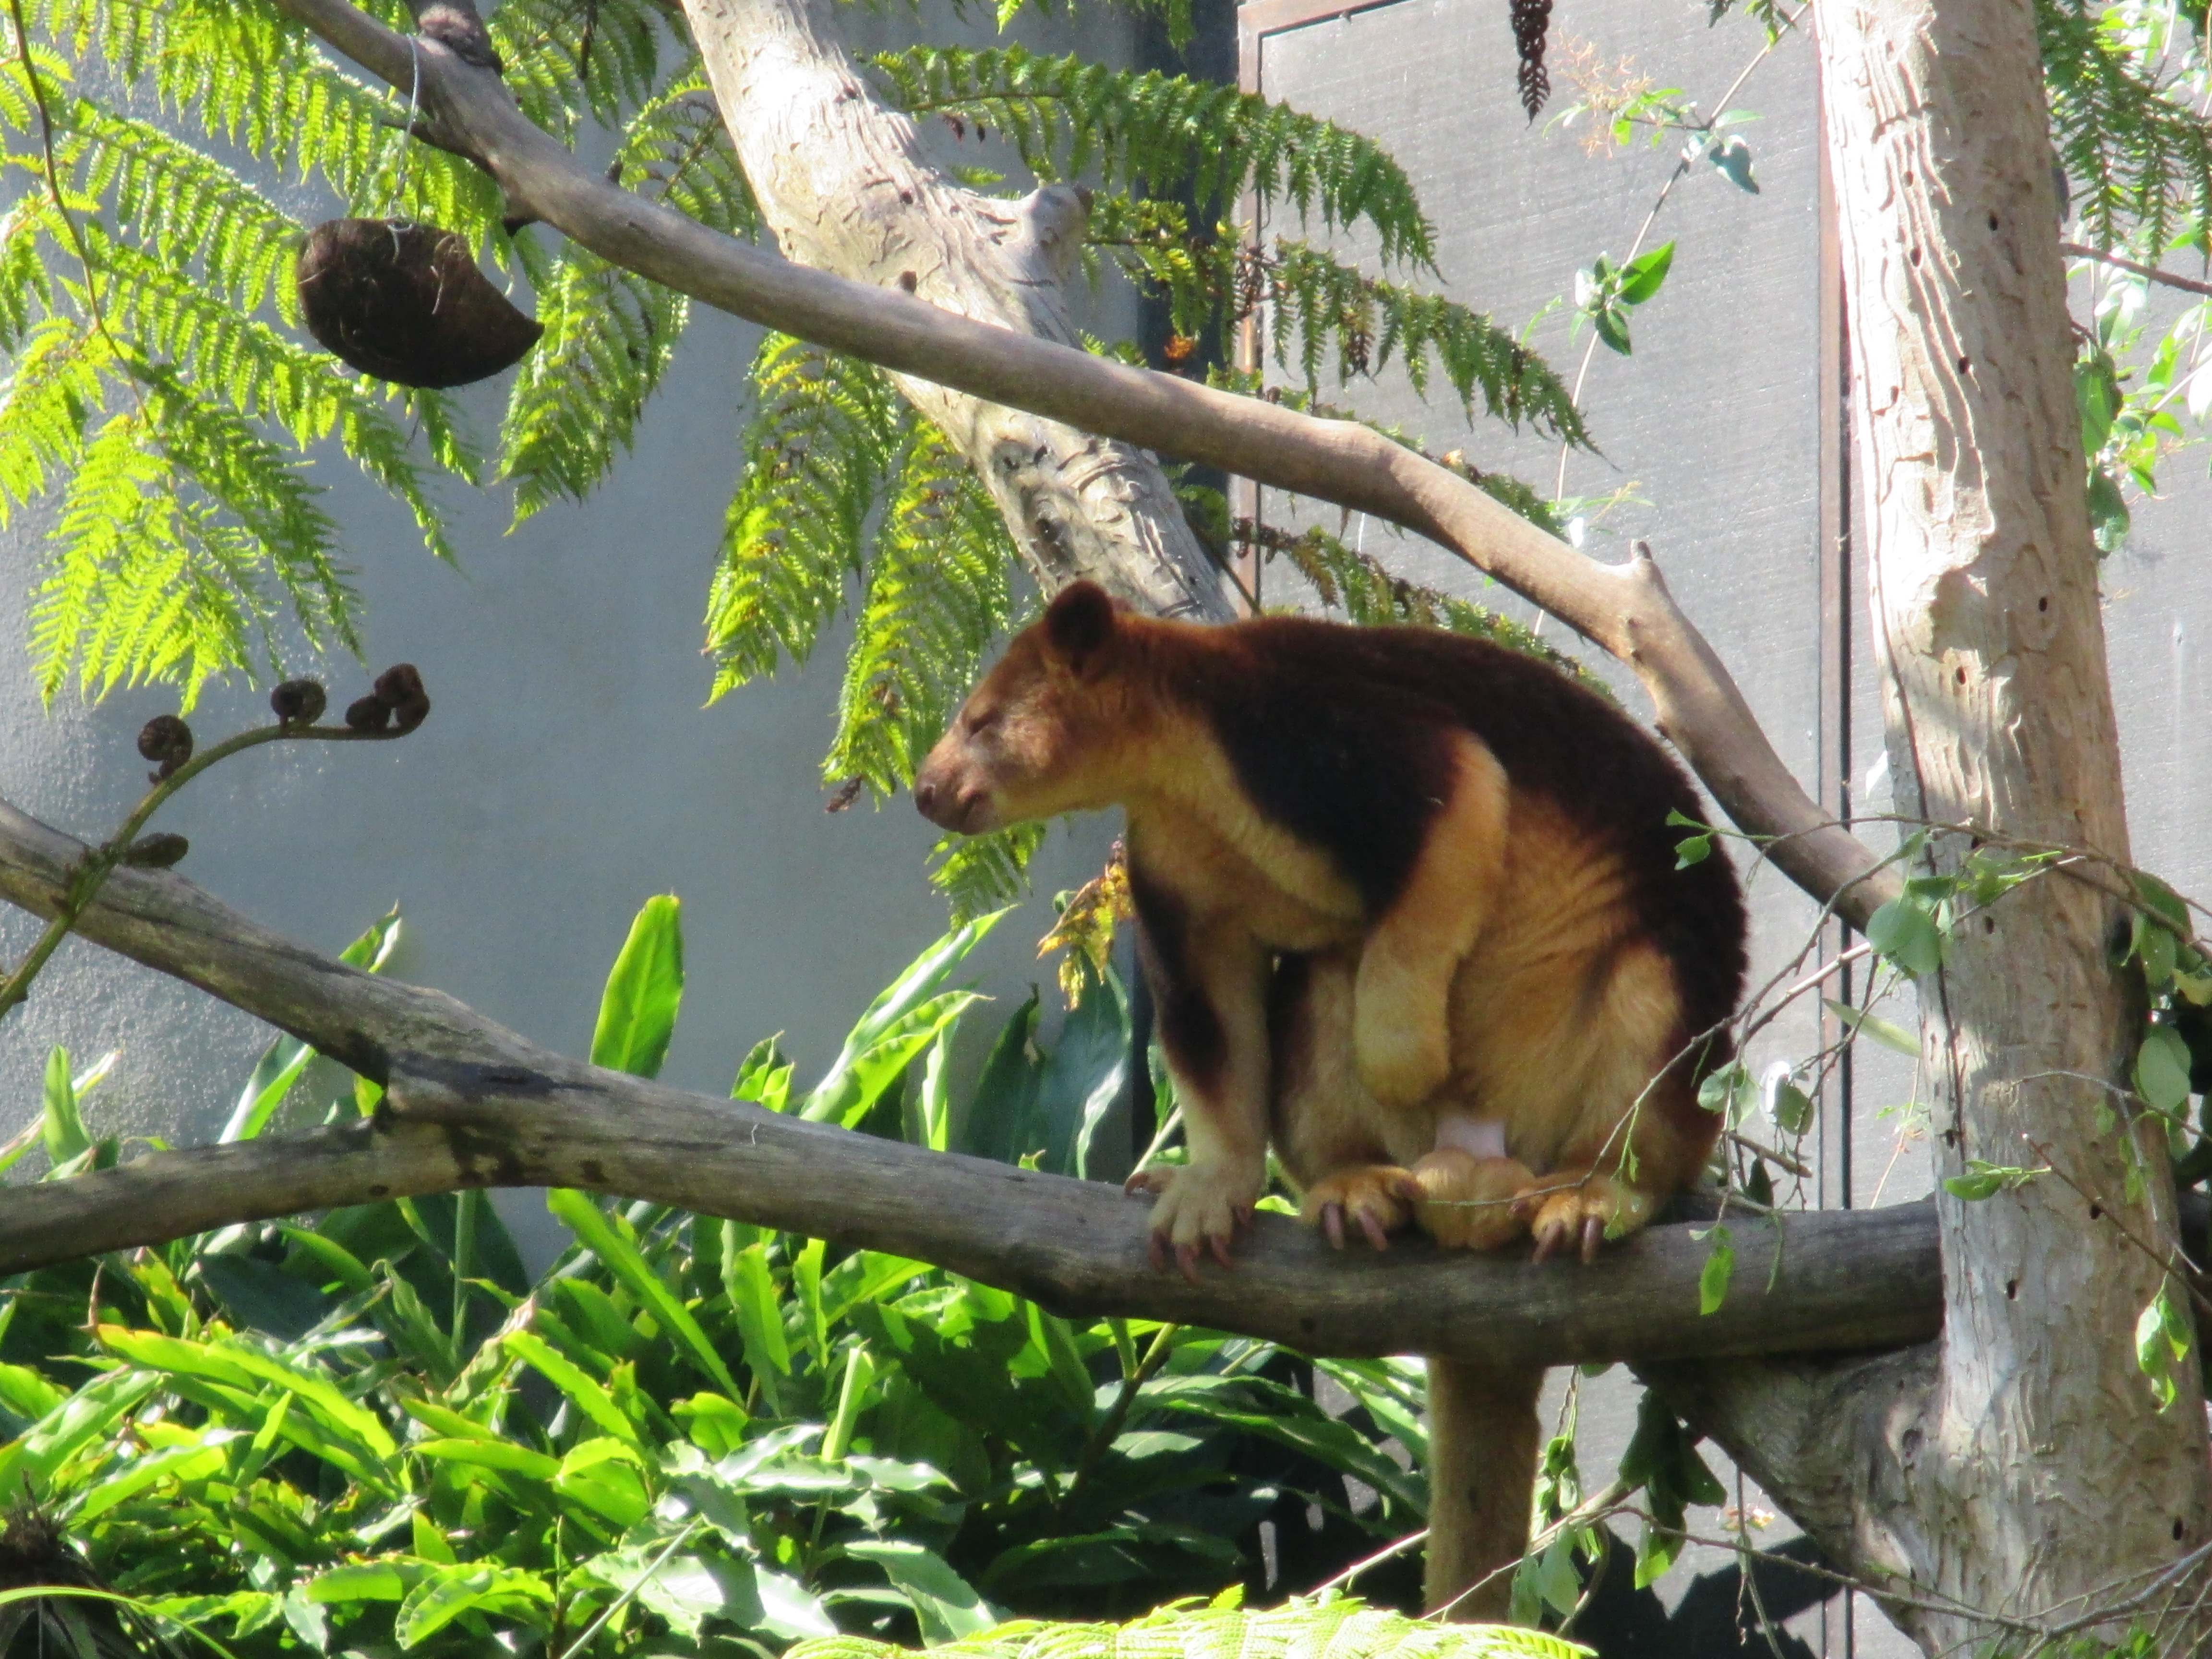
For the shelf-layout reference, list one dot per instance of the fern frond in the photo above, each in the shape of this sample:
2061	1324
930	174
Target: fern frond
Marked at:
819	441
1311	305
610	335
190	210
26	294
269	497
249	75
569	59
938	593
2135	160
1360	590
1165	135
54	390
677	149
139	586
1316	301
981	874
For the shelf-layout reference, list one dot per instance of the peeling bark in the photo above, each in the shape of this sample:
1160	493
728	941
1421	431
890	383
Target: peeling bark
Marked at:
846	186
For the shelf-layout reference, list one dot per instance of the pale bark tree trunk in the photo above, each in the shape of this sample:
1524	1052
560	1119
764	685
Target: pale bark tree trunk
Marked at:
2022	1468
846	187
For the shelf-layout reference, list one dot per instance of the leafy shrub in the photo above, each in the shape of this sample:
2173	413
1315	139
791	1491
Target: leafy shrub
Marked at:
380	1432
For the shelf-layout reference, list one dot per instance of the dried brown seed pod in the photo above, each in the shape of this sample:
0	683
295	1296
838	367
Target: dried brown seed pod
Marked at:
299	702
368	715
399	687
157	851
405	302
167	739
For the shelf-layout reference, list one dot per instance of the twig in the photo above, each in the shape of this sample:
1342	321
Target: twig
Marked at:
2149	273
98	863
2175	1263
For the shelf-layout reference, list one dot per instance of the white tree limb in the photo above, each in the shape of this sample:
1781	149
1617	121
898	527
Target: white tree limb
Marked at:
846	186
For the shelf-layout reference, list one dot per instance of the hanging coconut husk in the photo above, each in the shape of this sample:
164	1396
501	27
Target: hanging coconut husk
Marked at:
404	301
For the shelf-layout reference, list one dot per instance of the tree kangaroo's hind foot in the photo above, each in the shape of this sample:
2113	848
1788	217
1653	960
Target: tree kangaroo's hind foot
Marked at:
1198	1209
1377	1198
1579	1209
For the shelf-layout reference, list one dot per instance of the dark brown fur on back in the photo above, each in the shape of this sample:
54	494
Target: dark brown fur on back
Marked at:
1332	732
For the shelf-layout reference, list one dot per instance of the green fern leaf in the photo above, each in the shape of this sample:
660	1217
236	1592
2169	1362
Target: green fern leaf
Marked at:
819	442
2137	159
936	595
1165	135
978	874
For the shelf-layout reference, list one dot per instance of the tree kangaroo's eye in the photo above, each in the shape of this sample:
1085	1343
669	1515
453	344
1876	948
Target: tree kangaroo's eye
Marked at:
981	720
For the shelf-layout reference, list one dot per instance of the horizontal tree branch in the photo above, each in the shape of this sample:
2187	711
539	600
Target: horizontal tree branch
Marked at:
468	1103
1625	609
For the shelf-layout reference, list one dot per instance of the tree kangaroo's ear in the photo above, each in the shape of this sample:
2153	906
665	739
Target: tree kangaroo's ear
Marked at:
1078	623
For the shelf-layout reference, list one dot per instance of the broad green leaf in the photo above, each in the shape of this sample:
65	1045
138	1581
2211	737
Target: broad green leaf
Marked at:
759	1310
889	1019
178	1463
598	1235
603	1476
764	1076
1643	276
682	1588
588	1397
285	1059
504	1456
444	1595
1906	934
367	1581
242	1366
644	991
63	1126
2161	1070
946	1605
1720	1268
1892	1036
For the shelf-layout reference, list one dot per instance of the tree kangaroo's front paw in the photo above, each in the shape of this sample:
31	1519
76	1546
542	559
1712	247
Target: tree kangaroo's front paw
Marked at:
1377	1198
1469	1201
1575	1209
1402	1058
1199	1207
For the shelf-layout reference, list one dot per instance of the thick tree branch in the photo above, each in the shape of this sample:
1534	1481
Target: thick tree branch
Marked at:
846	187
1624	608
472	1105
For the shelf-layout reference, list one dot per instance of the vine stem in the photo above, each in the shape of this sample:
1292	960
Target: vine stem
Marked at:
1109	1426
1681	171
92	870
74	231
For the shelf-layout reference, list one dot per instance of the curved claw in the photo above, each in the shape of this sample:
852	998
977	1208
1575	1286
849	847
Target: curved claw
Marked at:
1187	1262
1332	1224
1593	1236
1546	1242
1373	1228
1156	1249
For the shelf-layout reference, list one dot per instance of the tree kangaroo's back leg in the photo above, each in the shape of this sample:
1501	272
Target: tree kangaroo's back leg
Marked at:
1402	1022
